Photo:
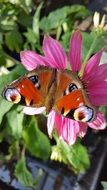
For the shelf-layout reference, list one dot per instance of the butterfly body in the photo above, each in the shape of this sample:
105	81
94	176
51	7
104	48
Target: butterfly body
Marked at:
60	90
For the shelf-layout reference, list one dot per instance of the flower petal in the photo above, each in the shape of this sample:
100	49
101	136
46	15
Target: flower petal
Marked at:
33	111
75	51
68	130
54	52
82	129
51	122
98	93
101	75
99	123
31	60
91	66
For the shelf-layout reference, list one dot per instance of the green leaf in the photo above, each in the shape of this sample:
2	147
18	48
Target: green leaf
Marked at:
2	60
87	41
38	177
13	40
73	155
32	40
24	19
5	107
78	157
22	173
14	149
36	18
7	25
1	38
104	184
30	35
18	71
80	11
65	41
28	3
8	14
35	141
15	123
59	16
54	19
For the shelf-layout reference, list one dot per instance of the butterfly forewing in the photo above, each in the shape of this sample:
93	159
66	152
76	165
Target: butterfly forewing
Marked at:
71	96
31	89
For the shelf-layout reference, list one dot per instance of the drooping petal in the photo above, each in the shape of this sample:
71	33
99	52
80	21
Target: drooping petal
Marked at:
51	122
69	130
82	129
31	60
55	53
75	51
100	122
64	127
98	93
91	66
73	129
33	111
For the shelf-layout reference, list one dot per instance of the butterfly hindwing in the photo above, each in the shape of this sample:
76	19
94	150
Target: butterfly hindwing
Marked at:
71	100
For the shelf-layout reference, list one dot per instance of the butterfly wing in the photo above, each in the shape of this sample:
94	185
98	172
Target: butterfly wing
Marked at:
71	100
61	90
31	89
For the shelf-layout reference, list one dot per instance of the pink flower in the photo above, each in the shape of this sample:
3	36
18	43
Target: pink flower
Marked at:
94	76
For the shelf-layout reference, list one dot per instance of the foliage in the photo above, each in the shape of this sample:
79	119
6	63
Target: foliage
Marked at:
72	155
23	27
104	184
57	18
32	135
22	173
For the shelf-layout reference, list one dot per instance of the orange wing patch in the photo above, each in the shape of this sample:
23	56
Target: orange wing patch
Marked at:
70	102
31	94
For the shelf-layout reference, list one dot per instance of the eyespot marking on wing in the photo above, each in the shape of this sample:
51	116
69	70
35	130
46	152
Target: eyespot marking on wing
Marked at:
12	95
35	80
84	114
72	87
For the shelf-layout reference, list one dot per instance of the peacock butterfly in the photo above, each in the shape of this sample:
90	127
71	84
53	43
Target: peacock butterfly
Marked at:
60	90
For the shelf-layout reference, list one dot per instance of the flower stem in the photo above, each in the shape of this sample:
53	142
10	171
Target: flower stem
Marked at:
88	55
